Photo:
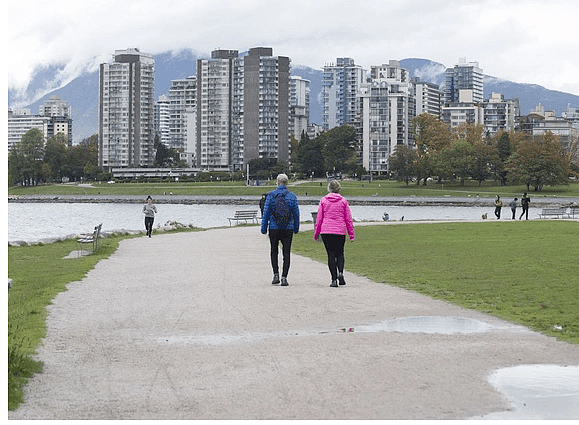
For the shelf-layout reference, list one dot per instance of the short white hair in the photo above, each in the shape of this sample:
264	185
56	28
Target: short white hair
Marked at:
282	179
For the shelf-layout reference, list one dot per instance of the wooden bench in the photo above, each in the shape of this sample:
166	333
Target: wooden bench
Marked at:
554	212
244	215
91	238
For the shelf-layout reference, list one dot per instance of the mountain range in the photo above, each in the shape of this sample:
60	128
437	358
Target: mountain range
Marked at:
82	92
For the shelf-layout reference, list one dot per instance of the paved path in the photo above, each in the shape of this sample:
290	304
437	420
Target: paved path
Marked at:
188	326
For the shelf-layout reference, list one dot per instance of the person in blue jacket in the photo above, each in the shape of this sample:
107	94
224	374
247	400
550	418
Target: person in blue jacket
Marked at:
281	228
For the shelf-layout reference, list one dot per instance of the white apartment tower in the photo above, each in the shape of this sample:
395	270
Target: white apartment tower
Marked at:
427	97
127	110
55	107
500	114
387	106
182	96
340	86
299	105
162	117
464	76
214	143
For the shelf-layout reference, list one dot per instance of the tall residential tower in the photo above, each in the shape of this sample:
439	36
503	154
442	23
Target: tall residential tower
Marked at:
127	110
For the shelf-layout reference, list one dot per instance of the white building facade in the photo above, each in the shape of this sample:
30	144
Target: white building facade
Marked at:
340	86
300	106
387	107
127	110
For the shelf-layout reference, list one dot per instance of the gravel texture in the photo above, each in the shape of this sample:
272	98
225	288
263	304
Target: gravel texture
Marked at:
188	326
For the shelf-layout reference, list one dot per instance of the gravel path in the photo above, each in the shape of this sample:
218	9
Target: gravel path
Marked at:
188	326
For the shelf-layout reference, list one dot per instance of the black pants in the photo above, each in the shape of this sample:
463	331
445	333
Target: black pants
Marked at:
284	236
149	224
514	212
498	212
335	249
525	212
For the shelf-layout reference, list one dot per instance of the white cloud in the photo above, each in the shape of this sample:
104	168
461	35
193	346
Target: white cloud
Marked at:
523	41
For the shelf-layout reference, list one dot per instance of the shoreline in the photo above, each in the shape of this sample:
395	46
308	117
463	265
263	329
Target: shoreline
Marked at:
303	200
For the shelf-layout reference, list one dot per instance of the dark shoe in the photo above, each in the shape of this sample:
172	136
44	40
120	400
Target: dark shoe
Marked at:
334	284
275	279
284	281
341	279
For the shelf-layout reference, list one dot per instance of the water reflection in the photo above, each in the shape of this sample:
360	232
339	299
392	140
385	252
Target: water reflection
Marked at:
538	392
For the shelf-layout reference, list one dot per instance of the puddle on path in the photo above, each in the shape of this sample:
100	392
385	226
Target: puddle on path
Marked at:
430	325
425	324
538	392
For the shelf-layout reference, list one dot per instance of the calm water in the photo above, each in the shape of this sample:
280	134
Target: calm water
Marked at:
33	222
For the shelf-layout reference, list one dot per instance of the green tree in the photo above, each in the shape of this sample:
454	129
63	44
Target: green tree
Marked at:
310	159
15	174
539	161
81	155
457	160
31	147
402	163
56	157
485	159
339	149
431	136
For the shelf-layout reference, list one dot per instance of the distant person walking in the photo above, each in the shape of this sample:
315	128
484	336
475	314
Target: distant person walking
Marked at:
513	206
149	210
281	214
525	200
262	202
498	206
333	222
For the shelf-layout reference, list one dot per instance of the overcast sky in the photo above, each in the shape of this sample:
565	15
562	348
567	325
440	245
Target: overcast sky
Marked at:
523	41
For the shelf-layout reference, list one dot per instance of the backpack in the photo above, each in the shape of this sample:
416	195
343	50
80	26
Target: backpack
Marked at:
281	212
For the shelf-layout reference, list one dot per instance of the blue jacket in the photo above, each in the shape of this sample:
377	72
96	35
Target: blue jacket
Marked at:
292	201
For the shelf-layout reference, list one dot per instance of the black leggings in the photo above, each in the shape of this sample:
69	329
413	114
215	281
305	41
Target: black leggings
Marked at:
285	236
335	248
149	224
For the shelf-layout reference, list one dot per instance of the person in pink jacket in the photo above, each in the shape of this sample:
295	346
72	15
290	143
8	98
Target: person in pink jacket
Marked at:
333	222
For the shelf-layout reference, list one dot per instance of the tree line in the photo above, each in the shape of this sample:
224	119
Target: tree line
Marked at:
440	152
32	161
465	152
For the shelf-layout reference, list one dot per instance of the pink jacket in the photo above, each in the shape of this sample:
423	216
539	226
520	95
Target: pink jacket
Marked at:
334	217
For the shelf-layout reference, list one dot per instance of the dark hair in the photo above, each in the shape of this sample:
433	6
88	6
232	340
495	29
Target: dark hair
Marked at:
149	197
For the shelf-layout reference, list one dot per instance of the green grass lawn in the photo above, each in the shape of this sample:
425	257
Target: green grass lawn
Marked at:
526	272
311	188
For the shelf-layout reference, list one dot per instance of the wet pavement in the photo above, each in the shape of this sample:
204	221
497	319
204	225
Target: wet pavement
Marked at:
188	326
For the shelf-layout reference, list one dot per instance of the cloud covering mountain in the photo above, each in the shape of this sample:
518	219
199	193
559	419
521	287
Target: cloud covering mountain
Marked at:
82	92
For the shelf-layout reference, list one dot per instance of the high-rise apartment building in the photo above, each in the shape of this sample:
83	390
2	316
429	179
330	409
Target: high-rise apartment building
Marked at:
162	118
127	110
340	86
427	97
299	106
500	114
55	107
464	76
243	108
182	96
20	121
266	105
60	114
214	143
387	106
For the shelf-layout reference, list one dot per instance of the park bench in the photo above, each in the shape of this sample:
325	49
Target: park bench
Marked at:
244	215
574	211
89	239
554	212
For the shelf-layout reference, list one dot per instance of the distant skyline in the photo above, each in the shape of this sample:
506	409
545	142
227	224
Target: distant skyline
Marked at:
523	41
